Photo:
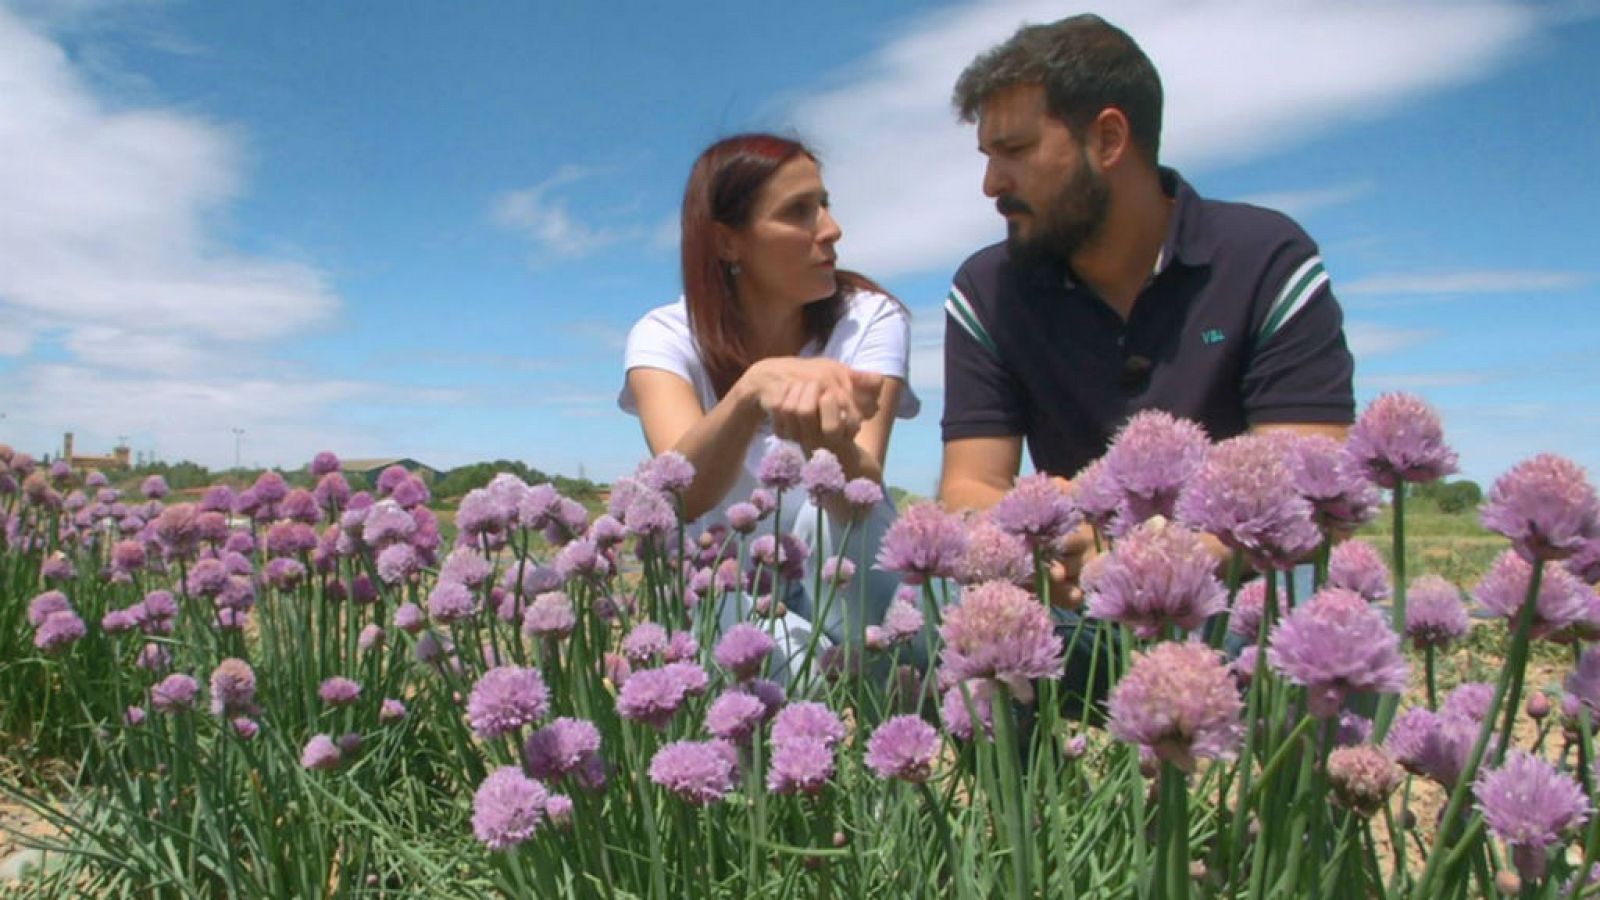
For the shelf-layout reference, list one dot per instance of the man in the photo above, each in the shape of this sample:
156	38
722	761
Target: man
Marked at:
1118	288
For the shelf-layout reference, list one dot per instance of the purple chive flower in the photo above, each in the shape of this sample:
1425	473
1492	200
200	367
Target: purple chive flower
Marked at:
652	696
1362	778
558	809
321	754
1095	496
681	647
743	517
324	463
1245	496
800	766
1584	682
284	573
154	487
1356	565
924	542
578	558
245	727
902	621
862	495
339	691
128	556
397	562
505	699
1151	459
1179	701
1471	699
699	772
903	747
785	555
175	693
644	642
1334	644
410	618
391	711
550	616
1562	601
607	531
1037	511
650	513
742	650
1435	615
1000	631
823	476
670	473
153	658
371	636
58	631
1249	605
1432	744
507	808
1341	497
46	605
233	688
1531	806
561	748
807	719
1158	575
56	567
133	716
781	467
452	602
693	676
735	716
769	692
1399	438
838	571
1352	730
1546	506
956	714
118	621
994	554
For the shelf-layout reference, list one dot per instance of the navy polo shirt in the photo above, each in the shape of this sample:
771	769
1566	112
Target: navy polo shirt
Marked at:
1238	326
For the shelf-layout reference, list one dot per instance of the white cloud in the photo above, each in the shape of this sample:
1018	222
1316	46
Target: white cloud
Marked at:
1302	202
1482	281
927	351
545	222
1242	79
1367	339
107	212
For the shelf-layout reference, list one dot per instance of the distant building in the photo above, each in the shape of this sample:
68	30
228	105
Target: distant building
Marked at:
119	458
367	470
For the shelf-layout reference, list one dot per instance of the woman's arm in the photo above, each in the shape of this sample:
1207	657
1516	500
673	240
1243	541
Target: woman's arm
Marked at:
715	441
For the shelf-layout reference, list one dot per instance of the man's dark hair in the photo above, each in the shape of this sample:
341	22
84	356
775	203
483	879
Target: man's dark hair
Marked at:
1085	65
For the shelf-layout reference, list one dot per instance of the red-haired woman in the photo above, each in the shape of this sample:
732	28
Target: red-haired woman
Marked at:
771	342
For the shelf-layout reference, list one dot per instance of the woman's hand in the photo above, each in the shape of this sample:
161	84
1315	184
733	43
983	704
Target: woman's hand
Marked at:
814	402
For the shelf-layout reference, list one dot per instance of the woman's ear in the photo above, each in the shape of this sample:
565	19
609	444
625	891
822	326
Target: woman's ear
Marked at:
727	243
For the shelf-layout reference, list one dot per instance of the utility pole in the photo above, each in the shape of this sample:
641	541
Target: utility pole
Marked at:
238	434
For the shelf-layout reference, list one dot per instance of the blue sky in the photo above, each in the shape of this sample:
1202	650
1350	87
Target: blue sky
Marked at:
424	229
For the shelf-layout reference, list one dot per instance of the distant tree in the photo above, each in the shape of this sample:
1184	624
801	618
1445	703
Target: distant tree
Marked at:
1449	497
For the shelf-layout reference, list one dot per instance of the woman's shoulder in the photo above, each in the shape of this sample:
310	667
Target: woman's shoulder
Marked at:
869	306
674	315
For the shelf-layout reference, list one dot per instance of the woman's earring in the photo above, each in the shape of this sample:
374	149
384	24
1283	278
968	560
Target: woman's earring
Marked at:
734	270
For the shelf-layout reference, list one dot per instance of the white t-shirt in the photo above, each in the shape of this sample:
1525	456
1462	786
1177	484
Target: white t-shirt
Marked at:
873	335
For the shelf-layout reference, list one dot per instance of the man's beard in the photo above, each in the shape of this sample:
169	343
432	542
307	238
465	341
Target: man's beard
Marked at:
1069	223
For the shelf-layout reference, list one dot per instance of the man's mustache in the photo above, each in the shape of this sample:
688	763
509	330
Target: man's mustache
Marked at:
1008	203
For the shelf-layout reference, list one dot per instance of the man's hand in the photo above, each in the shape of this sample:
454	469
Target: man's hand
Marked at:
1064	571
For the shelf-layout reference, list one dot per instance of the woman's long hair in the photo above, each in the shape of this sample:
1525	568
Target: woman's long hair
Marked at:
722	189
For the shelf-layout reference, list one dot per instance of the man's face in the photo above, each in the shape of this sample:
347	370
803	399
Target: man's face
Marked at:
1040	176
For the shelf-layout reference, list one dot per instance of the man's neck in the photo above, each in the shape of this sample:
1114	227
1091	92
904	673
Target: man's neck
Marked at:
1118	263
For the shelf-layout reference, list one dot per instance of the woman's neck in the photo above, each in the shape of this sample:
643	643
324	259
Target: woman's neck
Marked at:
770	335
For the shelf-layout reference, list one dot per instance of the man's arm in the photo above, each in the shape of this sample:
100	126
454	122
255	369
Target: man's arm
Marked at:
978	471
1333	430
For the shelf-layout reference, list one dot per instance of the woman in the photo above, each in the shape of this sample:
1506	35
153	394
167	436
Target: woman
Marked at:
771	342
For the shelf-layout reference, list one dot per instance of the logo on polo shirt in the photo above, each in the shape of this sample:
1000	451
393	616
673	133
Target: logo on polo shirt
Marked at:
1212	336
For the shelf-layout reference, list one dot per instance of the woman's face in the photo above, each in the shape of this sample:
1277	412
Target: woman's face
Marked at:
785	255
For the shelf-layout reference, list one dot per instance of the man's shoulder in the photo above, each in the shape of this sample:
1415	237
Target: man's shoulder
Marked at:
982	275
1241	229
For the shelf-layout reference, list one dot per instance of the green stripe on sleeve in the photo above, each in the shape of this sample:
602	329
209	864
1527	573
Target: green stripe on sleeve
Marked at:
959	309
